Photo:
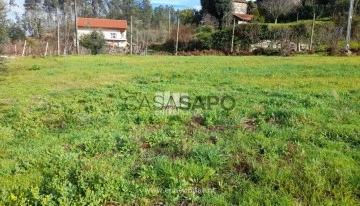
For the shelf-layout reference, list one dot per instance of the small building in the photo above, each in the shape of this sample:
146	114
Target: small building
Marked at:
240	12
114	30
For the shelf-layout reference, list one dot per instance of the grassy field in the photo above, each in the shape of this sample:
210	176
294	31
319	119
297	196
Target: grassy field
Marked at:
67	135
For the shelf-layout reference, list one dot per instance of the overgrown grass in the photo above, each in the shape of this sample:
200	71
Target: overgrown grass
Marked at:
67	138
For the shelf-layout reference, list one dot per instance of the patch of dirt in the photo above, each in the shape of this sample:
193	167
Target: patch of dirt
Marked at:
212	140
216	128
111	203
243	167
194	122
145	146
197	120
249	125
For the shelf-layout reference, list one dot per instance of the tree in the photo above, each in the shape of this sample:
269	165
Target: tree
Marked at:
276	8
257	17
16	32
33	18
95	41
217	8
53	6
3	22
317	8
145	11
186	16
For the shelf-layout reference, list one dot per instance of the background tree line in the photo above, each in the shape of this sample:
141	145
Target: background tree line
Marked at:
53	20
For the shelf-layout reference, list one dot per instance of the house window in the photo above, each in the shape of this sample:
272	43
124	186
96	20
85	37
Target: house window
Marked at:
113	35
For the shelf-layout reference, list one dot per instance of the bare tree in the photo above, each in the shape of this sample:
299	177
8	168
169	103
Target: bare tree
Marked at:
276	8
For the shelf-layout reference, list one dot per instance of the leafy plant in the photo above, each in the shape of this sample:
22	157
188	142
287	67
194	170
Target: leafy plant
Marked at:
95	41
34	68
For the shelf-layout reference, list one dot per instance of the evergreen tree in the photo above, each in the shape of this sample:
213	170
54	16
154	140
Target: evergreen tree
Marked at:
218	8
3	22
3	35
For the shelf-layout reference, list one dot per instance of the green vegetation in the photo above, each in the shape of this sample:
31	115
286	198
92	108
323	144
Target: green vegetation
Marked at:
95	41
67	138
326	37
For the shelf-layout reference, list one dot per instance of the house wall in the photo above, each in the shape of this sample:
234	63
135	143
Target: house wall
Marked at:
240	8
120	35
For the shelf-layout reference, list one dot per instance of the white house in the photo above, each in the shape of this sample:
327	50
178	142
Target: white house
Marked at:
113	30
240	11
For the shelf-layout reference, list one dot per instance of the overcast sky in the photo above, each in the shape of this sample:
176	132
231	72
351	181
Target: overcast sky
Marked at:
178	4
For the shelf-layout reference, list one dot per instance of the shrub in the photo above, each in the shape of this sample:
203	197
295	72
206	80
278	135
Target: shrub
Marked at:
34	68
203	38
94	41
221	40
267	52
245	35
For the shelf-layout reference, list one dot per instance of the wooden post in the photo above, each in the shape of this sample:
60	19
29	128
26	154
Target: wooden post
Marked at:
169	24
58	31
46	48
312	31
233	37
131	35
177	36
146	48
348	32
76	29
23	53
15	50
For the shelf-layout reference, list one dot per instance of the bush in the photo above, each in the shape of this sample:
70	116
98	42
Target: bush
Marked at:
34	68
285	39
94	41
204	38
221	40
245	35
267	52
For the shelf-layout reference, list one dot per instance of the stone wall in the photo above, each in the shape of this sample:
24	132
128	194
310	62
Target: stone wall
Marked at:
240	8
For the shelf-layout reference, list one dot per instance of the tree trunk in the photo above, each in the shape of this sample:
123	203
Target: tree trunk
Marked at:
355	7
94	7
220	24
46	48
76	29
23	52
131	35
348	31
276	20
312	31
297	16
58	31
177	37
232	38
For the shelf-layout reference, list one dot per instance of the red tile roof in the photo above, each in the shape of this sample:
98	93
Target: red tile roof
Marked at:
102	23
240	1
244	17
